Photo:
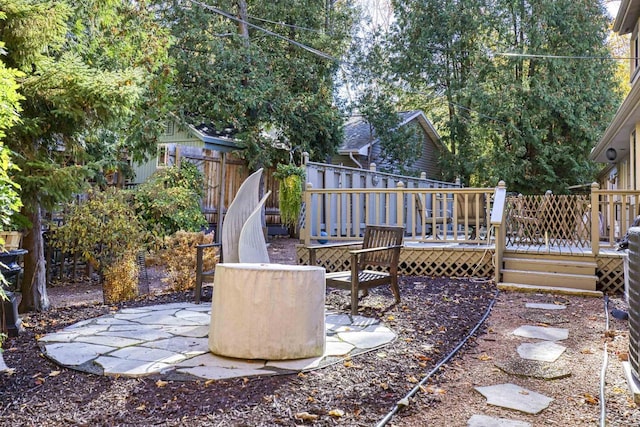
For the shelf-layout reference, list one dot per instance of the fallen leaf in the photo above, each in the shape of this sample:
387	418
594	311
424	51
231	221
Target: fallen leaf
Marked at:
161	383
54	373
623	357
384	386
484	357
590	399
305	416
209	382
586	351
348	364
141	407
390	317
433	390
310	399
423	357
412	379
336	413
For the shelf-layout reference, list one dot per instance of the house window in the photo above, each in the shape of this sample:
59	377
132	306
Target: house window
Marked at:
169	128
163	155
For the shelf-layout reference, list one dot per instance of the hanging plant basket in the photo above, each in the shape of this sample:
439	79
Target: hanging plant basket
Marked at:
291	179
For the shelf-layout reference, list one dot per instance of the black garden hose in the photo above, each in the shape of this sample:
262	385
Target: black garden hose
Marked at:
405	400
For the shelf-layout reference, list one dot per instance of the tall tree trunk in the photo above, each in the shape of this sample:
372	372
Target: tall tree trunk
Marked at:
243	29
34	280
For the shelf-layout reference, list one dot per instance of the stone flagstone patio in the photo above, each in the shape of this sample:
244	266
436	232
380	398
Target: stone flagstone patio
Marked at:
172	340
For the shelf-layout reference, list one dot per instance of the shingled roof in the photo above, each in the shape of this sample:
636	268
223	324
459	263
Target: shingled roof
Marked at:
358	135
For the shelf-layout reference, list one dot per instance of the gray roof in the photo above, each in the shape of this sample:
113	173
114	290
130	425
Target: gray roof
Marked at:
358	134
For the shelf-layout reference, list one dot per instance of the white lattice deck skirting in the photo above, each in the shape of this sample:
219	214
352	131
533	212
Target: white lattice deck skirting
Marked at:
468	260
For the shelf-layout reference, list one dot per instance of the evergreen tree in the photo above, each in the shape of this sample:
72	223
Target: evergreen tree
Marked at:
243	64
530	120
87	69
553	105
437	48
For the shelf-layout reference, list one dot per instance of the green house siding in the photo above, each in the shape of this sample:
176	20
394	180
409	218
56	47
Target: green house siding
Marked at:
177	136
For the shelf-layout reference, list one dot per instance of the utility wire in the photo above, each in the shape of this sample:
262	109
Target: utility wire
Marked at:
264	30
544	56
283	24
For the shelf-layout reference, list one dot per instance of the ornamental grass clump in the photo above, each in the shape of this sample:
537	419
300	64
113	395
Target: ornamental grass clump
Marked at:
179	258
120	280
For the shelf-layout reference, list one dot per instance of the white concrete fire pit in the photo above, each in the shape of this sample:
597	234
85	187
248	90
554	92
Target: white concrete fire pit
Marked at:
268	311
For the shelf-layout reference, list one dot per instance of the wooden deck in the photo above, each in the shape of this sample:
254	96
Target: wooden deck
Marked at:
449	259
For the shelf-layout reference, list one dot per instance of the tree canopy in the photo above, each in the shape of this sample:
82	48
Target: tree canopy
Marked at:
87	70
258	65
526	85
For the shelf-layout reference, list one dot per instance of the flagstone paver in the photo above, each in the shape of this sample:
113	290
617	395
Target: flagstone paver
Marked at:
538	360
513	396
542	333
486	421
534	368
172	339
543	351
545	306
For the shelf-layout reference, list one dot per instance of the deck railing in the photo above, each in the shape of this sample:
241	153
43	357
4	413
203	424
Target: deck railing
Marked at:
460	215
617	210
473	215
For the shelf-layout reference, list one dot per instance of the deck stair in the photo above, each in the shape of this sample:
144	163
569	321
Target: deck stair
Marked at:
550	270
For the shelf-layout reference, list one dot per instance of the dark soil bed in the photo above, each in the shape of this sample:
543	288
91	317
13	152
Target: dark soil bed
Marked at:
435	314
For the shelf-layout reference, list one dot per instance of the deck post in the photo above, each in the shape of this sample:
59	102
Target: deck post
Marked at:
595	219
400	204
498	223
307	217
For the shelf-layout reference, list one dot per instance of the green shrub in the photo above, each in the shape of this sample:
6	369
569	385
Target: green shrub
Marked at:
102	231
170	200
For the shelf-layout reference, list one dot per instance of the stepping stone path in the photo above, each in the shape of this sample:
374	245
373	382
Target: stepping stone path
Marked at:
172	340
538	359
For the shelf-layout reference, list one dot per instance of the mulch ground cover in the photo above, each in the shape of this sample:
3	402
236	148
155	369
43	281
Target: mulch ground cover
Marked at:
434	316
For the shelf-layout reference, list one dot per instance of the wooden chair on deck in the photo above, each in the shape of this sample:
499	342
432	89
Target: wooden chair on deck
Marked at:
530	218
433	219
472	214
374	265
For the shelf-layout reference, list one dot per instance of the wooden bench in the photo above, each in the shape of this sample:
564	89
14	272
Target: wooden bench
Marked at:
375	264
203	276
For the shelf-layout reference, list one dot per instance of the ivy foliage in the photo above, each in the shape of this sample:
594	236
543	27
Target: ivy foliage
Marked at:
169	200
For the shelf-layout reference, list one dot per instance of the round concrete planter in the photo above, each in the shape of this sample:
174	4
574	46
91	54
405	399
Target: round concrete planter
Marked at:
268	311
